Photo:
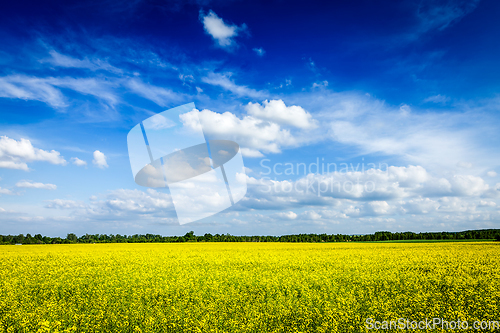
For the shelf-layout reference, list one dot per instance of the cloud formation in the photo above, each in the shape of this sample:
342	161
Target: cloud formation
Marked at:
277	112
30	184
64	204
406	194
122	205
224	81
221	32
62	60
100	160
15	154
78	162
6	191
257	133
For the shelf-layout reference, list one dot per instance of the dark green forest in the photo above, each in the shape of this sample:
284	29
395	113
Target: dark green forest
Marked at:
486	234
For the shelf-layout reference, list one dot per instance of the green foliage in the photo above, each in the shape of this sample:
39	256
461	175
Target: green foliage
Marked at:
486	234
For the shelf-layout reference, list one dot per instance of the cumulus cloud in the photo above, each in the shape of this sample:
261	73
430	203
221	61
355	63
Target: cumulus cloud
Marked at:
252	134
419	205
15	154
395	191
287	215
310	215
277	112
221	32
78	162
267	128
100	160
30	184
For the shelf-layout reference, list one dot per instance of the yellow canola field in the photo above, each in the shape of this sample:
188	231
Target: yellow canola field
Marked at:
244	287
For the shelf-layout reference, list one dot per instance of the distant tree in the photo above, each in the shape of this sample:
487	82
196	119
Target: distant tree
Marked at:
56	240
189	236
19	239
71	238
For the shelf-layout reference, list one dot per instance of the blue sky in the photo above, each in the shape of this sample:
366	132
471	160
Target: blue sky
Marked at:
403	94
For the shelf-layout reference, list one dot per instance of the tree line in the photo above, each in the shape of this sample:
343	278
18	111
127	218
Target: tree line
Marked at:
300	238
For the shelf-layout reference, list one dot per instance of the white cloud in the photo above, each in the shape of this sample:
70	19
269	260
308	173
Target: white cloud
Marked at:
405	110
6	191
419	206
455	205
186	78
220	31
491	174
64	204
439	99
61	60
260	51
100	160
484	203
159	95
31	88
252	134
310	215
15	154
435	140
287	215
322	84
277	112
101	89
129	204
395	191
78	162
48	89
122	206
30	184
247	152
224	81
468	185
158	121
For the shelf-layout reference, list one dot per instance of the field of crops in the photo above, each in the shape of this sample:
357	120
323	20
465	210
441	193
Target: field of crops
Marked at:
243	287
